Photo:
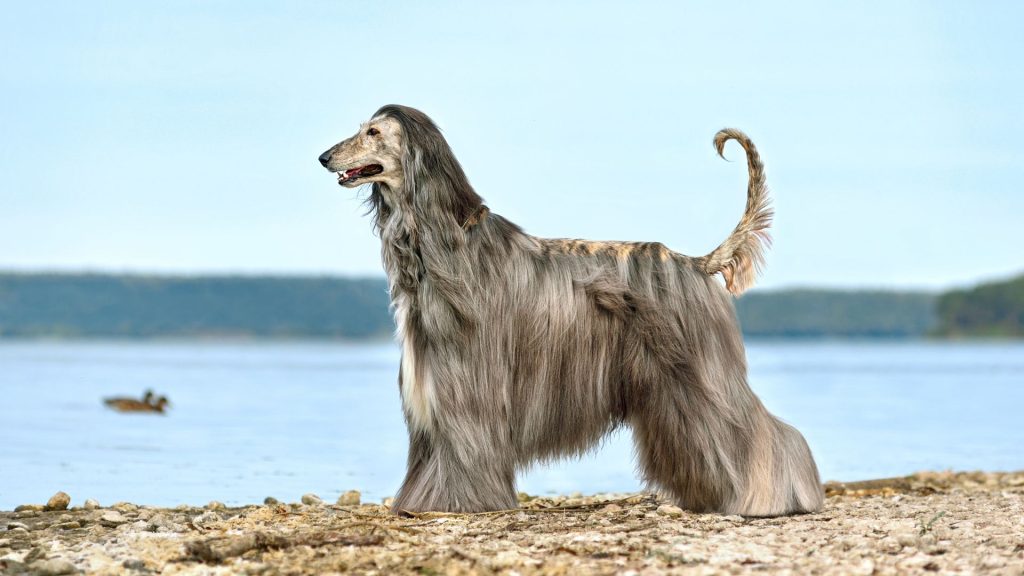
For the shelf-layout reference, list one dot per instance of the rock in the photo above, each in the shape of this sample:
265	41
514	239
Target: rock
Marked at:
112	518
5	542
215	505
68	525
11	566
206	520
388	501
670	511
53	567
134	564
91	504
350	498
271	501
125	507
36	553
890	545
16	525
311	500
58	501
30	508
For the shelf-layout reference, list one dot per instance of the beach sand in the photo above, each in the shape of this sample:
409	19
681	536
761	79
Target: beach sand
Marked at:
931	522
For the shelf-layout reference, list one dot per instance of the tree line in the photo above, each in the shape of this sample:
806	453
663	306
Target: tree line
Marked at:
138	306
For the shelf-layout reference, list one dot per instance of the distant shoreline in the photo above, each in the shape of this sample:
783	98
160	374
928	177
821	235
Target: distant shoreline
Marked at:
323	308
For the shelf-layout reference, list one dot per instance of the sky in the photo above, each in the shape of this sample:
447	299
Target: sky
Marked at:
183	137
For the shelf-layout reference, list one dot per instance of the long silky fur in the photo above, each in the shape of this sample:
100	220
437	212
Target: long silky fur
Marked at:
517	349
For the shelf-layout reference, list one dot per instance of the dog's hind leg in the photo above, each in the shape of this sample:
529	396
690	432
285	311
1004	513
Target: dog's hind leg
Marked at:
710	458
702	435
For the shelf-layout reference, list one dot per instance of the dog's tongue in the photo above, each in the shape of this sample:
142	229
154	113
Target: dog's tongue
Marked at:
352	172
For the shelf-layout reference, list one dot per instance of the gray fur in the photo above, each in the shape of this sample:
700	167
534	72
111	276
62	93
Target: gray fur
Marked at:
519	349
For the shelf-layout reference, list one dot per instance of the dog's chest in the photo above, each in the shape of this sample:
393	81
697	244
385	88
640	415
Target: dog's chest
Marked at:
417	382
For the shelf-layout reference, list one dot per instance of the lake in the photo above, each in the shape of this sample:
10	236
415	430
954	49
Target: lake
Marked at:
250	420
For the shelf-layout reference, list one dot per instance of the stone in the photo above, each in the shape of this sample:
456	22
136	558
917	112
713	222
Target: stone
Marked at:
271	501
112	518
58	501
311	500
91	504
215	505
16	525
350	498
52	567
206	519
134	564
125	507
72	525
388	501
5	542
670	511
30	508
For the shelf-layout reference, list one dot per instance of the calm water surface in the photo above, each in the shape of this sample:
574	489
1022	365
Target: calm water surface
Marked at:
282	419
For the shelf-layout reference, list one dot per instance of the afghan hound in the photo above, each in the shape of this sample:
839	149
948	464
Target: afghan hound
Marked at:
518	349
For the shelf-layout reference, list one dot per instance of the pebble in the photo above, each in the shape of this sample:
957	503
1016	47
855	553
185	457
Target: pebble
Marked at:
58	501
206	519
134	564
271	501
389	501
30	508
311	500
350	498
91	504
890	545
112	518
125	507
215	505
54	567
670	511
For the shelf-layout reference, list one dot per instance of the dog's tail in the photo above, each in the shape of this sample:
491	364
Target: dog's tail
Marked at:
741	256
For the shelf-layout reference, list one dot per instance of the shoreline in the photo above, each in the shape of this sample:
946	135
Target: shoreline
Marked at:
929	522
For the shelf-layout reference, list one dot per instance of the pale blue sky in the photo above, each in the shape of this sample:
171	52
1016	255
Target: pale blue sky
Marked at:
182	137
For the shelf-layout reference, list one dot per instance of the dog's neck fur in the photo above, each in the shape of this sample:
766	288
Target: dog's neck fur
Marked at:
422	221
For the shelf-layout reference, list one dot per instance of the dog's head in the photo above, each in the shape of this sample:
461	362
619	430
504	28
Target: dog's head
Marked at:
373	154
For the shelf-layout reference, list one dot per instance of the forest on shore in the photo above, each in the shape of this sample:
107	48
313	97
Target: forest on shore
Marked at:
49	305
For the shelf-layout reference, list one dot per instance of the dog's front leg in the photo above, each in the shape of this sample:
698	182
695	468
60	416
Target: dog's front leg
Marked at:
455	474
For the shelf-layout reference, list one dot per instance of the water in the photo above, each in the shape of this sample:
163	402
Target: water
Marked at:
283	419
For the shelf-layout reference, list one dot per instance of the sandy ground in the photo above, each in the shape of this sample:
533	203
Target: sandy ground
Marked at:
941	523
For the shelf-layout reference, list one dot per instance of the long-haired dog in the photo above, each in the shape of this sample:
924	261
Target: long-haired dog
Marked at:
518	349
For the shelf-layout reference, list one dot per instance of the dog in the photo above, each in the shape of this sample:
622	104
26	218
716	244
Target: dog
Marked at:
517	349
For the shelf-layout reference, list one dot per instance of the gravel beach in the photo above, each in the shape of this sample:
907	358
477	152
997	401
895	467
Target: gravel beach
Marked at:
935	523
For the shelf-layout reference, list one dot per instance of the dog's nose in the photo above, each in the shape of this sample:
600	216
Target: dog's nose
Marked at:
325	158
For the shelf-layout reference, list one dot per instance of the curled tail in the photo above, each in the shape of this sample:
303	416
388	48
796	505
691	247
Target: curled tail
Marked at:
741	256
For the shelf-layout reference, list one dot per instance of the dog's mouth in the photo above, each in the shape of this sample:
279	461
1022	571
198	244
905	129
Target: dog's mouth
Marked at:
350	176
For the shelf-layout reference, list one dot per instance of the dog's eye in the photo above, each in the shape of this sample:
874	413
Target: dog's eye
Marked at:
372	132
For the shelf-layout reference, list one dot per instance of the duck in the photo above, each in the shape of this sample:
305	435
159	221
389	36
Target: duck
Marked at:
149	403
